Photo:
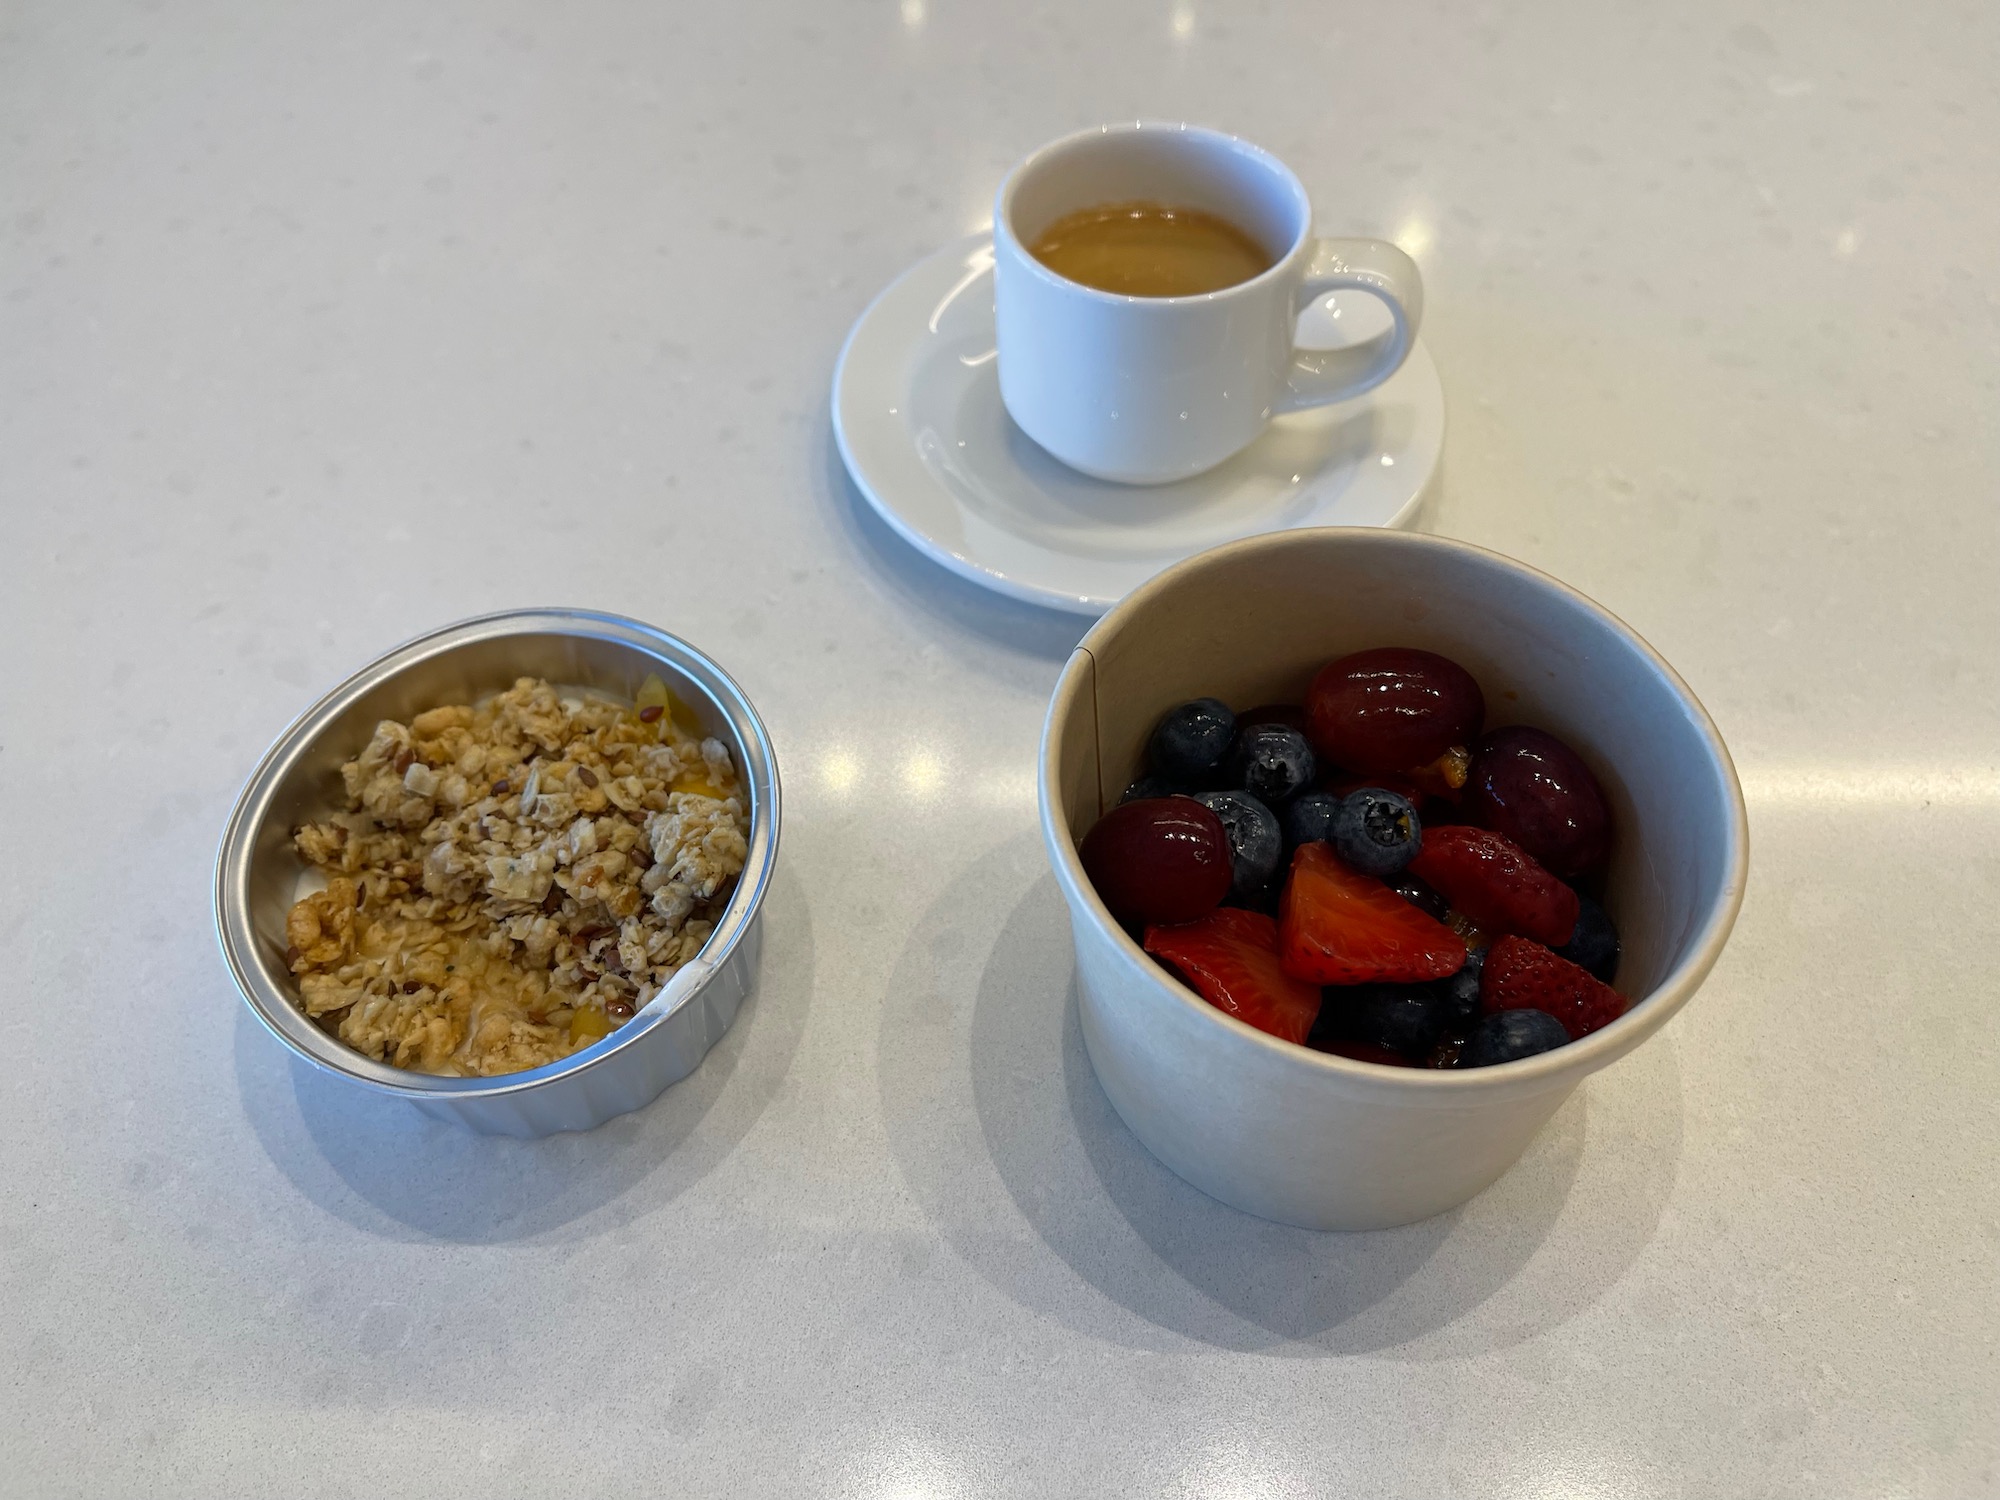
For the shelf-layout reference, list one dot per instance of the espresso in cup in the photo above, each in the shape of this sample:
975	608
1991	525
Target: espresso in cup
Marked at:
1147	285
1144	249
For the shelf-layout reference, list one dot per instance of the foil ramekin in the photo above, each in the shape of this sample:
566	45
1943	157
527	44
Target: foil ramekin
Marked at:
257	873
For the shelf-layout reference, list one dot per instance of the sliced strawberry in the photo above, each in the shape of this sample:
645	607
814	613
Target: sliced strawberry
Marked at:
1523	975
1342	927
1492	880
1230	959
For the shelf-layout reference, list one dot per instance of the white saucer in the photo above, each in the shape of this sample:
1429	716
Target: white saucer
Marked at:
917	415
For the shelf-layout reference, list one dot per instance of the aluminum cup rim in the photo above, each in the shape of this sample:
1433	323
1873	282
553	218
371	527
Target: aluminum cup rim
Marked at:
236	938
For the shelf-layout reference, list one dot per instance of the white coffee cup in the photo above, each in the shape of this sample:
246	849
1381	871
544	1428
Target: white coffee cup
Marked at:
1146	390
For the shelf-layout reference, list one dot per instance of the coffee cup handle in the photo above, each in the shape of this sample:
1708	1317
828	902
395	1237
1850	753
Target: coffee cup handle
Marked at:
1320	377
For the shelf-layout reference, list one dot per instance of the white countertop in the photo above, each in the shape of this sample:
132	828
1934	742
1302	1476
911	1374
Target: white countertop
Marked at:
322	324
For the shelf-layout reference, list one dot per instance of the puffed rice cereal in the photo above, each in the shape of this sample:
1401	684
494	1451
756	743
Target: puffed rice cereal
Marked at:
511	882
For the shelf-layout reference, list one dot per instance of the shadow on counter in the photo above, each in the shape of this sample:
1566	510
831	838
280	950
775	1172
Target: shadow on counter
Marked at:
383	1167
1003	1133
917	584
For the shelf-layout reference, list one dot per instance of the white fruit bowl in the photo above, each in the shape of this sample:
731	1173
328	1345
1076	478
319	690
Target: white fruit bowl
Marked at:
1304	1137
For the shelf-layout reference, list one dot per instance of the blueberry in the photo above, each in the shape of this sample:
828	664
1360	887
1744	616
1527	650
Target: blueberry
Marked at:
1377	832
1460	992
1291	715
1147	787
1594	944
1190	743
1308	819
1447	1053
1254	842
1406	1018
1510	1034
1272	762
1420	893
1458	1000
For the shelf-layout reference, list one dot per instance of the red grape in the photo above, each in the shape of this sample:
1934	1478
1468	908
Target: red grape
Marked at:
1391	709
1532	787
1160	859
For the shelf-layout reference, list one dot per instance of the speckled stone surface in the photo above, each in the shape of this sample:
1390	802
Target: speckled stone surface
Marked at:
321	324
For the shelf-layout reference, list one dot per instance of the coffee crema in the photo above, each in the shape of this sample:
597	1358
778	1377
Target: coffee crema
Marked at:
1141	249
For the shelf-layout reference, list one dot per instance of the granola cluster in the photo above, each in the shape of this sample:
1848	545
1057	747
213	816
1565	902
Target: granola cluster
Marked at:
513	881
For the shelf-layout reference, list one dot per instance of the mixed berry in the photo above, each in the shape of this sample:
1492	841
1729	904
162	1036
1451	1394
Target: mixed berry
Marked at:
1367	874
